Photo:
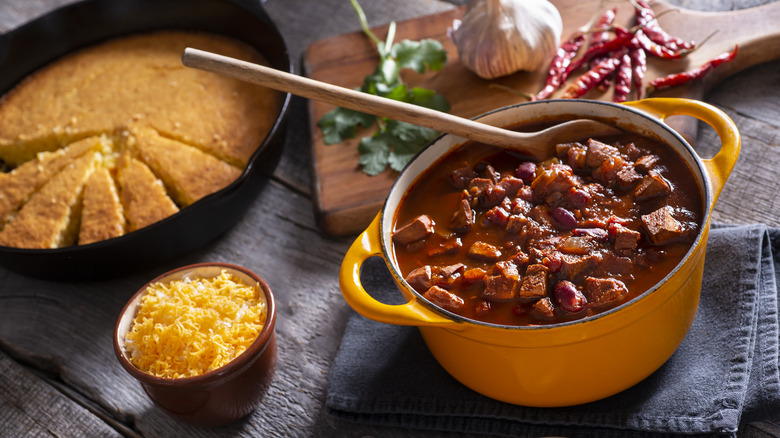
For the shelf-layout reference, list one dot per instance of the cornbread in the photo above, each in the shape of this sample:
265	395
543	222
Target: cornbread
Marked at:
181	133
188	173
50	218
139	79
188	327
17	186
143	195
102	215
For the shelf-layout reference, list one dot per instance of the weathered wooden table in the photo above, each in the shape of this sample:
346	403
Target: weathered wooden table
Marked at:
58	373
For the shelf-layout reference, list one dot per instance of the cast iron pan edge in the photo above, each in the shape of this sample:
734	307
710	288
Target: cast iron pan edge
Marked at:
75	26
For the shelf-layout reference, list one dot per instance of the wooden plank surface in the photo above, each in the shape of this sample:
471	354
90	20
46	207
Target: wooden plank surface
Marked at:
346	199
63	330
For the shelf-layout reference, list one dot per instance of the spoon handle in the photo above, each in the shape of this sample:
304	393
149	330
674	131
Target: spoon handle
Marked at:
347	98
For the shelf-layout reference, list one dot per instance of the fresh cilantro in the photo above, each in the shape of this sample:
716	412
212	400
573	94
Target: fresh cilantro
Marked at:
393	143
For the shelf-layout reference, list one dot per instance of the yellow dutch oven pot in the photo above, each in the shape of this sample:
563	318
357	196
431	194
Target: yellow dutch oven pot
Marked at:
568	363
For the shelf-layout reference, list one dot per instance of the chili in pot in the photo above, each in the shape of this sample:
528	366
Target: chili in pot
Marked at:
493	238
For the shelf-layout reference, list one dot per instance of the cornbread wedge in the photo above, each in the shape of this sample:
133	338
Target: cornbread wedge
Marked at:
187	172
142	194
102	216
139	78
18	186
50	218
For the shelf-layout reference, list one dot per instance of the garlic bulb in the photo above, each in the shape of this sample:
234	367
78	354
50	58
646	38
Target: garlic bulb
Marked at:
499	37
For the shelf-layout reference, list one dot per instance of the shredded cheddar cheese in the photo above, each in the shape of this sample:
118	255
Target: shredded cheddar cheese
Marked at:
187	327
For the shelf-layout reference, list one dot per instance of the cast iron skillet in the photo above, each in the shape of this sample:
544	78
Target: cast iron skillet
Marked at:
75	26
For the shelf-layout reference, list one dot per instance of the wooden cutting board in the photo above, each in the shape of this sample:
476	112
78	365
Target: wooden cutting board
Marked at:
345	199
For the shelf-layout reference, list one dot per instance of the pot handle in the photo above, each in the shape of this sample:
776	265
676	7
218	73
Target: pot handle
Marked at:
413	312
718	167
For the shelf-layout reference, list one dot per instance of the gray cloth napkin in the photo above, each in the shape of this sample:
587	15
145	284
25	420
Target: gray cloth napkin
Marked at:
724	374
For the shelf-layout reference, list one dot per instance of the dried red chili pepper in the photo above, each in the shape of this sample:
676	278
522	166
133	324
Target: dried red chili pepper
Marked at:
594	76
681	78
658	50
622	39
623	78
647	19
557	73
639	67
605	23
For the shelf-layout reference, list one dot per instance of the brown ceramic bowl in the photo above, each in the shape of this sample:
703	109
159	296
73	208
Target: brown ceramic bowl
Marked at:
220	396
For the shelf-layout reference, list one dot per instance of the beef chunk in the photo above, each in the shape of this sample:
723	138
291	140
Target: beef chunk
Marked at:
632	151
473	275
421	278
478	186
624	239
519	258
417	229
486	170
558	178
461	177
516	223
609	170
604	290
463	218
627	177
544	307
534	282
661	227
501	282
444	299
572	266
653	185
484	251
599	152
541	215
520	206
493	196
612	264
576	156
440	245
447	276
511	185
646	163
497	216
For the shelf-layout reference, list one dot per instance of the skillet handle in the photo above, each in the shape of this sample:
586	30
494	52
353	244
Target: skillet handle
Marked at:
718	167
413	312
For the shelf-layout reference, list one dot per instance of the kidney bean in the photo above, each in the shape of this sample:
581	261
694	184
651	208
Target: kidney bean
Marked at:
526	171
578	197
564	217
596	233
568	297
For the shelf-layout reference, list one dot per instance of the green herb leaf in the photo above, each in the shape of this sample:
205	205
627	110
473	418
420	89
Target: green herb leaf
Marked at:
407	141
393	143
341	123
374	154
417	55
429	99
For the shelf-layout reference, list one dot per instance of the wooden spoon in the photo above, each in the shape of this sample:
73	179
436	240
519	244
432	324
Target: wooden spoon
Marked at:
538	145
